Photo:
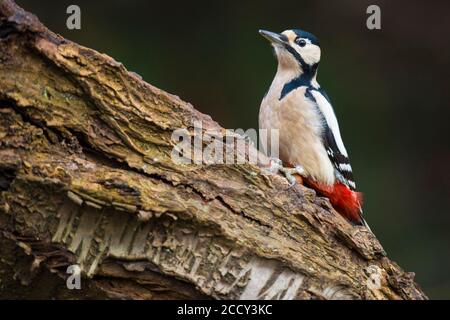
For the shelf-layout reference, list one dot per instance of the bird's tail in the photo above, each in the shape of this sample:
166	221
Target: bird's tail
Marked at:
365	224
347	202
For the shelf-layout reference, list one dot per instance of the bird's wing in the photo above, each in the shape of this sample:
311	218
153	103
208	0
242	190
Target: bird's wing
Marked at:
332	140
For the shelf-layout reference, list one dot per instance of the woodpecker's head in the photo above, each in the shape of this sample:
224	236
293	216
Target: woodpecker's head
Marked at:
295	49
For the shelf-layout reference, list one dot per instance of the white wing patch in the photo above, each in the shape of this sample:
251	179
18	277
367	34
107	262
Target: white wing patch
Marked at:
327	111
352	184
345	167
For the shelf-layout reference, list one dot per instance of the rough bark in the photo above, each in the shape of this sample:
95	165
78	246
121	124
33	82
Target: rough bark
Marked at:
86	177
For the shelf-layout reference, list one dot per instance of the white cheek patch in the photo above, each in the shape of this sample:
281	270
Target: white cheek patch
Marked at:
310	53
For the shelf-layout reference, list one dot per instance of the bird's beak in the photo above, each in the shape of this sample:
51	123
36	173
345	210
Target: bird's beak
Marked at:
273	37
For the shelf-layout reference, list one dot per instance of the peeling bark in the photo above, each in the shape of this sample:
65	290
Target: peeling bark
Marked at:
86	177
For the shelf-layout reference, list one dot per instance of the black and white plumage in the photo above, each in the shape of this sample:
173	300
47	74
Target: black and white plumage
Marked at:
332	140
309	134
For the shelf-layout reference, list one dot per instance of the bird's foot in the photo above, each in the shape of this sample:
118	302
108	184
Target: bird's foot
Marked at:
276	166
290	173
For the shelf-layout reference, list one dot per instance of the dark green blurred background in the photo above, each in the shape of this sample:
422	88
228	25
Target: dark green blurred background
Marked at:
390	90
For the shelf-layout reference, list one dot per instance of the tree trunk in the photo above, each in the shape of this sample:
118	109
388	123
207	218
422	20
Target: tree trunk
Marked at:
86	178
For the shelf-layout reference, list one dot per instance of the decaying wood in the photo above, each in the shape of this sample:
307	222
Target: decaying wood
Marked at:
86	178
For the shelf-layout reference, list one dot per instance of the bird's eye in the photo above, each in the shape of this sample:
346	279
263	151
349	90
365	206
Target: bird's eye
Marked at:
301	42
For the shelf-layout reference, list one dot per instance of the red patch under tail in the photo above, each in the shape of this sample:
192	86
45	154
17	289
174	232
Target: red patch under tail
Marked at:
347	202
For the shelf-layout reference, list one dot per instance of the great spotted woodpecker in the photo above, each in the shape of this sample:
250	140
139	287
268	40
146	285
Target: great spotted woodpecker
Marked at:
309	139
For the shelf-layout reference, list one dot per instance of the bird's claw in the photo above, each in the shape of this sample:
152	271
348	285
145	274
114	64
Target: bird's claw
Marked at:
289	174
276	166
